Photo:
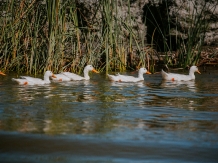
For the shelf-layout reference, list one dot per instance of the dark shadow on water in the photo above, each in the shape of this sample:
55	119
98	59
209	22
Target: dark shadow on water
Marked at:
39	148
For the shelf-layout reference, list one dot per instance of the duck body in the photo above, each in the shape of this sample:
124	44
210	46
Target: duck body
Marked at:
86	71
73	76
23	81
180	77
126	78
60	77
27	80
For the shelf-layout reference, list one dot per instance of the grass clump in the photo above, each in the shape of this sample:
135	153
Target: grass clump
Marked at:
61	36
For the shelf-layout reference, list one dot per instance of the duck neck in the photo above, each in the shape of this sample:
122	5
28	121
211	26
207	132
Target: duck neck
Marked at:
86	74
46	79
192	75
140	75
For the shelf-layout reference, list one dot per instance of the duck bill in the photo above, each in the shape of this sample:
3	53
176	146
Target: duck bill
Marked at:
53	76
1	73
198	71
148	72
95	71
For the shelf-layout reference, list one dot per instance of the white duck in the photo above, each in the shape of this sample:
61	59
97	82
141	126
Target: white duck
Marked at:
180	77
86	70
27	80
126	78
60	77
1	73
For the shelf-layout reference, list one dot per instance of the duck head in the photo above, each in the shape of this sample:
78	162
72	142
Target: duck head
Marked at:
90	68
48	74
144	71
194	69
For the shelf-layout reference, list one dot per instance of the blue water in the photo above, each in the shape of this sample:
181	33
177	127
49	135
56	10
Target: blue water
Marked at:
103	121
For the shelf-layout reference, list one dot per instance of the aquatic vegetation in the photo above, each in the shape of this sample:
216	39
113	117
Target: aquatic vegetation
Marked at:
39	35
180	44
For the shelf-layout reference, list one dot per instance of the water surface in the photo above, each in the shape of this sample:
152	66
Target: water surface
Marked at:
103	121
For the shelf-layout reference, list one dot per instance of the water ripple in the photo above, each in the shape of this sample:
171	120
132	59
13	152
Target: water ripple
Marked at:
149	111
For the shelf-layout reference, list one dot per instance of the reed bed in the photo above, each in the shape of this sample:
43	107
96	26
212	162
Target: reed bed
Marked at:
190	49
37	35
190	40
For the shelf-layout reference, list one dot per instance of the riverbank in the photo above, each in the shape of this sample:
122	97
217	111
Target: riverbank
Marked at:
208	57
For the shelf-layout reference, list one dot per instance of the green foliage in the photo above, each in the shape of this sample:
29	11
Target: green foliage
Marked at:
54	34
190	49
37	35
188	42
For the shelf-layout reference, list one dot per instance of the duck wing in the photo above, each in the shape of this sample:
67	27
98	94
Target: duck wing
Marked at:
179	77
175	77
113	77
165	75
73	76
23	81
126	78
35	80
31	79
60	77
123	78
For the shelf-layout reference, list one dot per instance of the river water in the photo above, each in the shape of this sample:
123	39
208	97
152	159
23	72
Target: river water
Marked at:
103	121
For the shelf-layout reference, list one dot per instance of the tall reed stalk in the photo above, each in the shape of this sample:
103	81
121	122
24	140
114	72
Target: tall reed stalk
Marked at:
50	34
190	49
37	35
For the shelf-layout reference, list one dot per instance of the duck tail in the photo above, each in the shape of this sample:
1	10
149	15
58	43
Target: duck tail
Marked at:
112	77
13	79
164	74
109	76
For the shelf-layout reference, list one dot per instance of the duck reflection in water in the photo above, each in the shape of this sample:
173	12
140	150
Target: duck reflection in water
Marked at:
121	84
87	94
191	85
31	92
82	90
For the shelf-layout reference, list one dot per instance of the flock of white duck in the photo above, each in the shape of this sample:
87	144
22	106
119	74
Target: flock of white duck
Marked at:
68	76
